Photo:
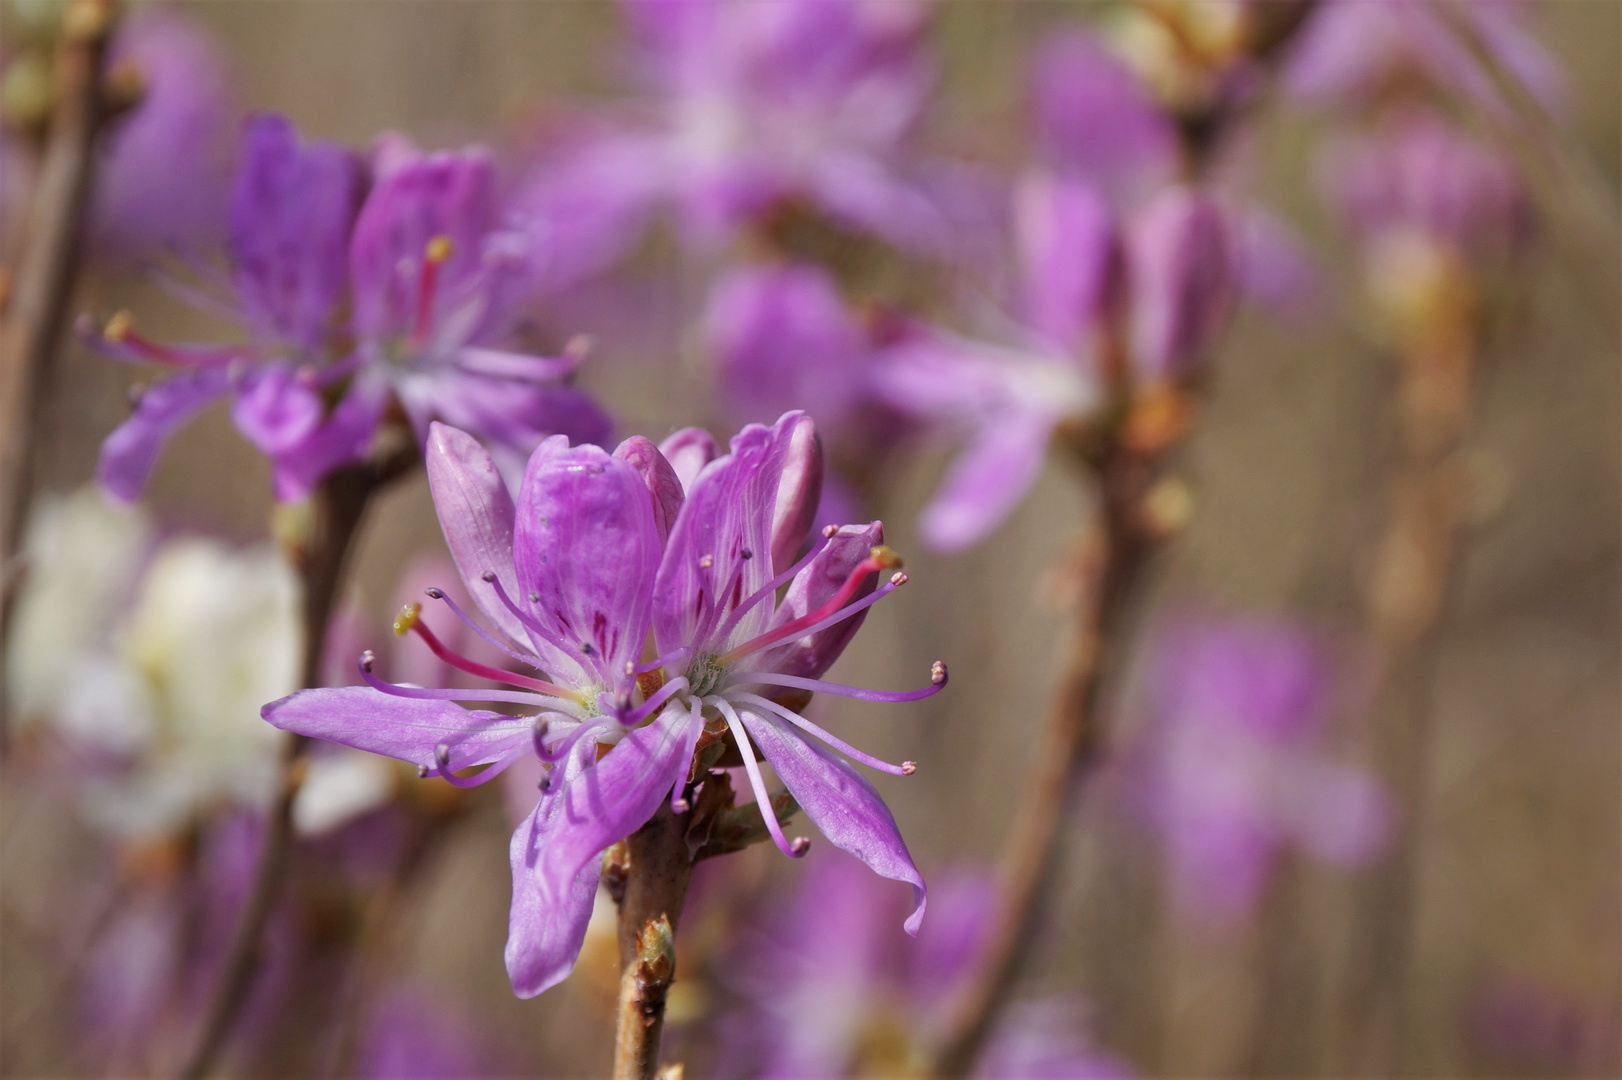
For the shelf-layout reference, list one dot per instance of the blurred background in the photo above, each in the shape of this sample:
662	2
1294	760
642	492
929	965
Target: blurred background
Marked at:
1223	870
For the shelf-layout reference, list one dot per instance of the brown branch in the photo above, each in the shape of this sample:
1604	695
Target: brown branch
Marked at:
657	868
1063	752
336	509
36	305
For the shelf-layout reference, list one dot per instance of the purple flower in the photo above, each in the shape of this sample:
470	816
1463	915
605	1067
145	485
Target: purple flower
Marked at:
1233	767
349	306
413	1036
833	991
1356	49
1157	291
573	576
752	105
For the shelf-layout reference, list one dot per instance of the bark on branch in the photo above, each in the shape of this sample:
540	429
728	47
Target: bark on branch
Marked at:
657	868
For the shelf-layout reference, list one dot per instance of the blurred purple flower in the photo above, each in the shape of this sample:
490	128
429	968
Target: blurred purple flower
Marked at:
167	166
413	1036
1157	290
597	551
1527	1024
1356	49
425	268
1233	767
751	105
827	981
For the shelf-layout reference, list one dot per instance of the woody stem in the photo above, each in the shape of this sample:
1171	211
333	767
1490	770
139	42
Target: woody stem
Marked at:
656	871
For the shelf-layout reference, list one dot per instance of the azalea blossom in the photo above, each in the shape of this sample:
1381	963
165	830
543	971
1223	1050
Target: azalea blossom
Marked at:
750	107
351	300
1233	769
597	551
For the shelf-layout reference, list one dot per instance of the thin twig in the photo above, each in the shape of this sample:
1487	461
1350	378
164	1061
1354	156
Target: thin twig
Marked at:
1063	751
658	871
336	509
37	305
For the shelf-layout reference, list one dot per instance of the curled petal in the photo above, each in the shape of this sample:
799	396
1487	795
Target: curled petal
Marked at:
688	451
663	484
816	585
476	513
129	453
799	493
841	803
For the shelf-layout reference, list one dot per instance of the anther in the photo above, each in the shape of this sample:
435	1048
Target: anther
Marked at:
439	249
367	659
908	768
885	557
800	845
706	561
488	576
434	594
828	531
118	327
422	772
747	554
585	647
680	806
630	668
937	673
407	619
898	579
442	754
534	597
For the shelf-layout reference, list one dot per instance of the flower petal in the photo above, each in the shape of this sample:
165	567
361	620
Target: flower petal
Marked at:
663	484
612	799
547	926
720	548
988	479
410	729
128	454
841	803
586	550
799	493
1069	256
1181	269
814	586
342	439
476	514
274	410
688	451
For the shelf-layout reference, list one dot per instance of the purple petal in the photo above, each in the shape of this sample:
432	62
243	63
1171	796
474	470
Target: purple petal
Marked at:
586	545
477	514
663	484
1070	257
506	415
423	196
128	454
611	799
720	548
988	479
1274	267
547	926
1095	121
275	410
841	803
409	729
783	338
688	451
799	493
816	585
291	211
1180	262
343	438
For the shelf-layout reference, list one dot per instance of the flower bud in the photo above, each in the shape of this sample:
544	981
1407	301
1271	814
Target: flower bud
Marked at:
1180	265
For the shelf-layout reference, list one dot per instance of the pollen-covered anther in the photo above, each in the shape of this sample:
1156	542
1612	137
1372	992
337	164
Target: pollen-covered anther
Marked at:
908	768
488	576
706	561
368	660
680	806
433	593
937	673
439	249
118	327
799	846
407	619
899	579
885	557
442	755
829	531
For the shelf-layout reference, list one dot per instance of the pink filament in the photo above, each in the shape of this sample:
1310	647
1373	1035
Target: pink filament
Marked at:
797	627
473	667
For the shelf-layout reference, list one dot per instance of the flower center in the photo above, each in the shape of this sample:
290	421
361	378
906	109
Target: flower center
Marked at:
704	674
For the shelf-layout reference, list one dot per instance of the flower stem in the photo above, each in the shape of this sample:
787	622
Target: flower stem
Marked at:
34	303
1063	752
336	509
658	870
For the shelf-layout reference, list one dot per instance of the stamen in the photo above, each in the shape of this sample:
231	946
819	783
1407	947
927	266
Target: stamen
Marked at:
669	659
643	711
529	621
467	621
569	742
937	678
367	659
408	620
771	587
119	332
879	558
433	257
442	755
750	766
684	765
839	616
906	768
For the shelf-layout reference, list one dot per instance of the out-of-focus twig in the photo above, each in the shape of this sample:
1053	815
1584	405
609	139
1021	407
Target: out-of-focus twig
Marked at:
657	868
320	554
35	303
